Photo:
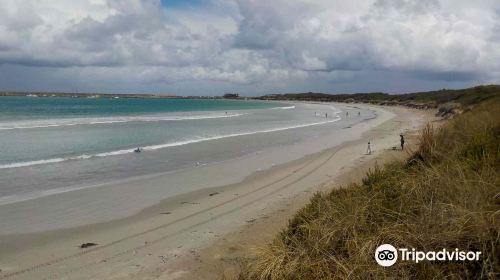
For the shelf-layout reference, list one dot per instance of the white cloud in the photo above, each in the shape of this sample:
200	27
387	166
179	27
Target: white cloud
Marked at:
403	35
241	43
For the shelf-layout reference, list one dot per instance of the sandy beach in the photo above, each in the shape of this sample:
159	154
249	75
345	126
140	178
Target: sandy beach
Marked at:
205	228
249	140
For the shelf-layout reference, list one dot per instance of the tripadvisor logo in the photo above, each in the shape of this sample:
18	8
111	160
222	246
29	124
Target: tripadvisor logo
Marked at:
387	255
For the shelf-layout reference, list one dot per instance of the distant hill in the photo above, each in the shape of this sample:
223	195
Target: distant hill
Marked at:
430	99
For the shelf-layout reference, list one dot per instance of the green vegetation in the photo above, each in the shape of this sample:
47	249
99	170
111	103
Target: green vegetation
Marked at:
432	99
446	195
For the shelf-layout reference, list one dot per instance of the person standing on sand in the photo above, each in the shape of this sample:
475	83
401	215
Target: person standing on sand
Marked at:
402	141
369	149
359	114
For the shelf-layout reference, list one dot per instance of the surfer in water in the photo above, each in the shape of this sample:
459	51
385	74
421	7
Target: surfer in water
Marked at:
138	150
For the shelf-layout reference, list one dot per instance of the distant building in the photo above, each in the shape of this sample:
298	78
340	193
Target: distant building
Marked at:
231	95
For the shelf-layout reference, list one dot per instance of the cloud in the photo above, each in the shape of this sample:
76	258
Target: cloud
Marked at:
269	45
384	34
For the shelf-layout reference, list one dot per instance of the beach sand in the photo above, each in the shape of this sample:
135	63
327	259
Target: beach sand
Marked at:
193	235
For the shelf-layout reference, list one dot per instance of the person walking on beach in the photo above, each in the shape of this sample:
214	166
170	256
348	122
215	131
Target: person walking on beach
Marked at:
402	141
369	149
359	114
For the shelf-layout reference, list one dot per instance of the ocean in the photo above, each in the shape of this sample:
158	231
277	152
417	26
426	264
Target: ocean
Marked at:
57	144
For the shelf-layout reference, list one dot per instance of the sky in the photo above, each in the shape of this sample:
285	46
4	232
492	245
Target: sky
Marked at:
254	47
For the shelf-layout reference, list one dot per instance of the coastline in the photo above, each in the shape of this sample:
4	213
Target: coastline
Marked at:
147	243
223	258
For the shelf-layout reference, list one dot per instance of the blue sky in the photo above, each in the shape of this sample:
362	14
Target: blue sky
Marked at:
182	3
197	47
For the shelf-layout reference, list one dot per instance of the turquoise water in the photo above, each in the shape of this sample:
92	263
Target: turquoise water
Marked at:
20	108
48	130
52	144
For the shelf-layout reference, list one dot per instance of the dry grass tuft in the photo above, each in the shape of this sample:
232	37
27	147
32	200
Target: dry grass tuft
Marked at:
447	195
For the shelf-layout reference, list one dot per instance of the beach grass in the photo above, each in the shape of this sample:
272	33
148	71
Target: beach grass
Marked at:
445	195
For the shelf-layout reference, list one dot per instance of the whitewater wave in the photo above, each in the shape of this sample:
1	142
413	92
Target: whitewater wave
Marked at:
283	108
160	146
108	120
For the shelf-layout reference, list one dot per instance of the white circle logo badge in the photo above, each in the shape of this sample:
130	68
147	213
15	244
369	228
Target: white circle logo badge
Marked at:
386	255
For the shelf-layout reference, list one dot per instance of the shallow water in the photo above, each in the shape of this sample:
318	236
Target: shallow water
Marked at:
53	145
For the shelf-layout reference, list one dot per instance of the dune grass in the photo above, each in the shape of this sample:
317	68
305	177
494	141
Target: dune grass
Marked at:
446	195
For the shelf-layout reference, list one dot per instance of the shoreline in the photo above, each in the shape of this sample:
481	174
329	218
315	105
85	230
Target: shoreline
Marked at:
112	199
225	256
222	209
